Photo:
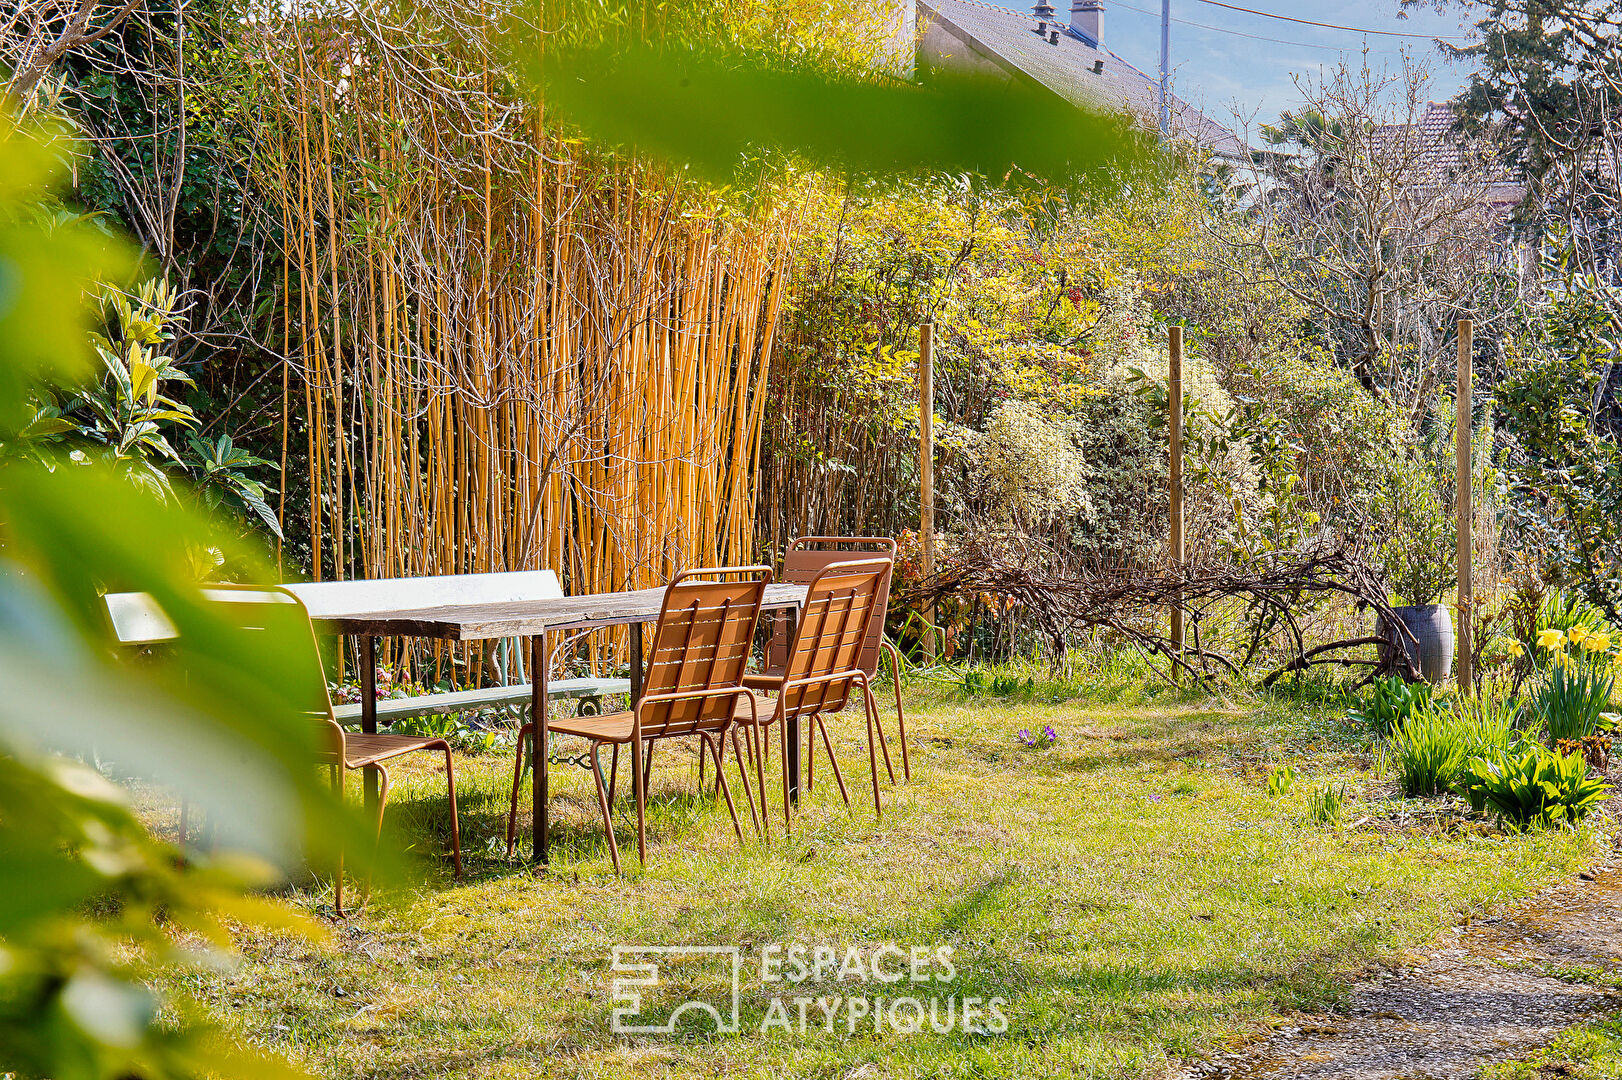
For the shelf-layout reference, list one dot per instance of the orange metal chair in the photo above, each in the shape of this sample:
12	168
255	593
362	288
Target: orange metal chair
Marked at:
822	666
805	559
272	609
693	687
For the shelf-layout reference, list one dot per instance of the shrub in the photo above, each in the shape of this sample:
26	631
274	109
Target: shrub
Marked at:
1528	784
1430	745
1390	701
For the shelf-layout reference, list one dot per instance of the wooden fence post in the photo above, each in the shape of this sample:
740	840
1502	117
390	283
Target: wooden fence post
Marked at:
1174	406
1465	506
926	466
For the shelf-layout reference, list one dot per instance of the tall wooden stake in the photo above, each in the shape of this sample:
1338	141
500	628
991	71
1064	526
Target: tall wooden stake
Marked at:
926	465
1174	405
1466	505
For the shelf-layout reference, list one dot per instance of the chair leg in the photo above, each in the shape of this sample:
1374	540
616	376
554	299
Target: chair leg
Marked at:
874	728
900	715
743	775
338	877
726	789
782	738
604	801
758	742
647	772
809	758
884	746
613	773
383	783
844	793
456	825
639	782
518	778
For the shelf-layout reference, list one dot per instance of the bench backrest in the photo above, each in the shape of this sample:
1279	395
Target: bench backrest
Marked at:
136	618
363	595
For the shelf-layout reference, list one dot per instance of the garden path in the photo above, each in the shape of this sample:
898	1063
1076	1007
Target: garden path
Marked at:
1488	991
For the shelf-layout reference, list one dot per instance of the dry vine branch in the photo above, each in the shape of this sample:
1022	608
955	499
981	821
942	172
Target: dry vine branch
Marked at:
1131	602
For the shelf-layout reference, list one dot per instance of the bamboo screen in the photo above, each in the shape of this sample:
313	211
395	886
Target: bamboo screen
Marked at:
505	352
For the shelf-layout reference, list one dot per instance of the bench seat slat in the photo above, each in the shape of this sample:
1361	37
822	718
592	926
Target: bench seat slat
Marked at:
468	700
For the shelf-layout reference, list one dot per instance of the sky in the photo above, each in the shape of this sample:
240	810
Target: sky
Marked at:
1233	78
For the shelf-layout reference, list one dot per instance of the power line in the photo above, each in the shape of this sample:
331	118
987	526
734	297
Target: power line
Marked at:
1324	25
1234	33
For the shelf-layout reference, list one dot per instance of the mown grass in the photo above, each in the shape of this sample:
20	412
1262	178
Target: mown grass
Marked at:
1589	1051
1133	893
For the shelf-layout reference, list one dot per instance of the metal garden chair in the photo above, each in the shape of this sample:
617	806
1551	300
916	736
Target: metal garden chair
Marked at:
804	560
274	610
693	687
823	665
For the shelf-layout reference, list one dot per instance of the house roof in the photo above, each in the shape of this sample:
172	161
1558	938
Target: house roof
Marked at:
1440	153
1067	68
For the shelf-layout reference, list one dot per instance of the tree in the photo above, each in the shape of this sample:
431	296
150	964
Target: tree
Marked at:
1380	228
36	34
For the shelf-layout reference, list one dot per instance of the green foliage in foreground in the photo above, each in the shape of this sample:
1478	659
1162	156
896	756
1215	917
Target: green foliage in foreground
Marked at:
1429	747
92	904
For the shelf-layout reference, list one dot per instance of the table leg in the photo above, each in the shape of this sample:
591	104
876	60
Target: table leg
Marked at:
635	630
791	764
540	671
368	712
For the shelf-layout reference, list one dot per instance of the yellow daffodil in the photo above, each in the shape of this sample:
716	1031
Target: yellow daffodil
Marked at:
1600	642
1577	634
1551	639
1515	650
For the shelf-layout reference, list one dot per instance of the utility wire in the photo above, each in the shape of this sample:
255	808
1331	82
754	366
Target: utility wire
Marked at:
1234	33
1324	25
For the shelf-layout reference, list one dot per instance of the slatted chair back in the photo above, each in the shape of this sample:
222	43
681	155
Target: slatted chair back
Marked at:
809	556
832	634
282	619
702	641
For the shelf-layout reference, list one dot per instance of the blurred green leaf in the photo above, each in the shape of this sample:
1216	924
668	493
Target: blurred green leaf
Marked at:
46	264
709	108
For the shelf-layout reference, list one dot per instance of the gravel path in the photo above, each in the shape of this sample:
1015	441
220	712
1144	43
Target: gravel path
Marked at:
1482	994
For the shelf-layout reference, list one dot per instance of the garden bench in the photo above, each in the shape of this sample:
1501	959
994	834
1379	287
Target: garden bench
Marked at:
136	619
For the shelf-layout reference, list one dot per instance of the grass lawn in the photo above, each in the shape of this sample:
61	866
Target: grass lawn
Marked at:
1133	894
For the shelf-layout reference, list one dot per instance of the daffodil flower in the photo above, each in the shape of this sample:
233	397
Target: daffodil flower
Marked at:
1515	650
1551	639
1600	642
1577	634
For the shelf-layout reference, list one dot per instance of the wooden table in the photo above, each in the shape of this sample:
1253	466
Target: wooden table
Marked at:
535	619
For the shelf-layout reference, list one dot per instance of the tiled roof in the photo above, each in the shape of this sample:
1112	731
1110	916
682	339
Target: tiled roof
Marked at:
1441	152
1067	68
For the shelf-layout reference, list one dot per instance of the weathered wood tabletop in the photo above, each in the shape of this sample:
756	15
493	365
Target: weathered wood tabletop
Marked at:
522	618
534	619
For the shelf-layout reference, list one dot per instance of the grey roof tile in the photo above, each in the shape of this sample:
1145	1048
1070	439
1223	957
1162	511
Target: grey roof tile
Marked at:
1067	68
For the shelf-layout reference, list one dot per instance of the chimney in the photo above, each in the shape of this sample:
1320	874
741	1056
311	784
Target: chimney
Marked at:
1044	15
1087	19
